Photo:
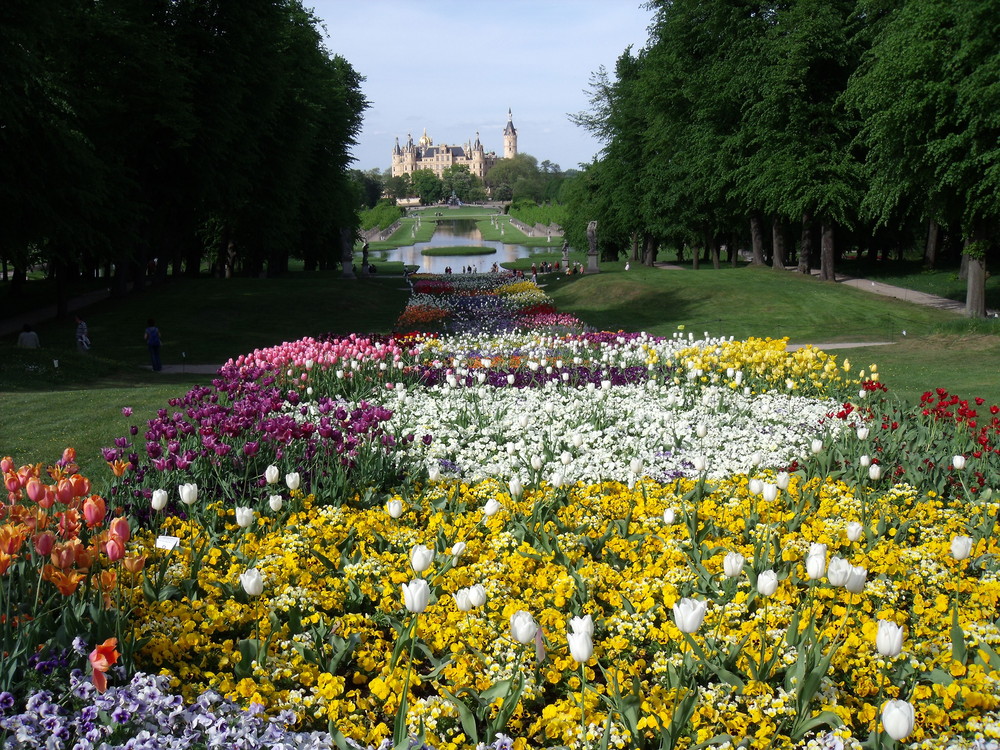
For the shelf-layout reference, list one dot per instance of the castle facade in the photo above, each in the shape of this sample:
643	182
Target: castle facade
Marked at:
424	154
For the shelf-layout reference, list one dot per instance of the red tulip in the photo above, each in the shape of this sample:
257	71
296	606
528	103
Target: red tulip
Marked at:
35	489
44	543
119	528
64	491
115	549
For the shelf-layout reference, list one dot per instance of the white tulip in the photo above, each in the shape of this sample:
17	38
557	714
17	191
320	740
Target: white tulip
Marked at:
689	614
958	462
701	430
854	530
188	493
865	461
477	595
781	480
770	492
817	445
523	627
394	508
838	571
159	501
416	595
875	472
434	472
732	564
581	647
961	547
700	463
898	718
767	583
889	639
275	501
293	480
492	506
421	558
252	582
635	466
557	479
462	600
857	579
457	549
669	516
816	561
244	516
271	474
536	463
566	458
516	488
863	433
755	486
583	624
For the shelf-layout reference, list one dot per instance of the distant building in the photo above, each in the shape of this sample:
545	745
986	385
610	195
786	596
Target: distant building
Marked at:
424	154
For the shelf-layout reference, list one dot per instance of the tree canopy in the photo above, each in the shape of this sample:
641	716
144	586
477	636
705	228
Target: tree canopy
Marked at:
180	131
833	123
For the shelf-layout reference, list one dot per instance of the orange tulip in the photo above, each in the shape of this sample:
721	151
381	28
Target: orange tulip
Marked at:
5	561
118	468
94	510
12	482
69	524
81	485
67	583
101	660
11	538
48	498
6	464
63	556
134	564
107	580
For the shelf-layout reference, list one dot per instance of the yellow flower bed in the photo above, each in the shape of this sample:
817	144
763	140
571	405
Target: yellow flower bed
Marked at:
332	578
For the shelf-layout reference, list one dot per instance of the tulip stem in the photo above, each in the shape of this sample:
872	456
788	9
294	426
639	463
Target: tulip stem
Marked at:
583	704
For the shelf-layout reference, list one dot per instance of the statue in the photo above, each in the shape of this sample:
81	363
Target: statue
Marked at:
565	252
592	266
347	253
364	259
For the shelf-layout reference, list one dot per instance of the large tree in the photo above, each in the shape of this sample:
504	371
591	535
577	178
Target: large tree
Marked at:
928	95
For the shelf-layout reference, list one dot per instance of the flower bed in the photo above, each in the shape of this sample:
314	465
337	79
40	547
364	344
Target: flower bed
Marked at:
513	538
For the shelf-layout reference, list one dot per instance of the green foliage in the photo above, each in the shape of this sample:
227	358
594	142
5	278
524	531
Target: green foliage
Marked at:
383	215
531	213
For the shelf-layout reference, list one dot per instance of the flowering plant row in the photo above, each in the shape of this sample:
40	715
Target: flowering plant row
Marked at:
499	538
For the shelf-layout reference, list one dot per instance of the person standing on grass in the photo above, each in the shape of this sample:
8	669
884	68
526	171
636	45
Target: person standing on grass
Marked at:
153	344
82	339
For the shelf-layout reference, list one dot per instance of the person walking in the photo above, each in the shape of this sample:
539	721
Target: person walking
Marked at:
82	339
152	337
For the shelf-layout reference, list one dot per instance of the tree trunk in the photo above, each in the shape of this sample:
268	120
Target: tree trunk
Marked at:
757	240
695	257
826	253
805	243
974	259
635	247
778	244
713	247
648	250
933	241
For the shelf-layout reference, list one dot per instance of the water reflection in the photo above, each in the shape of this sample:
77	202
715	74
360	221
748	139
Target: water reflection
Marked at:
454	233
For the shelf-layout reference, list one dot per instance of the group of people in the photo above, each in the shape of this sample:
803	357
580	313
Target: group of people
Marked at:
28	339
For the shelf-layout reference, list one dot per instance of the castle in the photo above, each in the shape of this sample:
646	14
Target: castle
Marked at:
425	155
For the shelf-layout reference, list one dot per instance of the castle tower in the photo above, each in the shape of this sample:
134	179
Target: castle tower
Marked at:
509	138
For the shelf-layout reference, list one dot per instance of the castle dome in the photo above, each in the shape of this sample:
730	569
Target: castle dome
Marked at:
425	140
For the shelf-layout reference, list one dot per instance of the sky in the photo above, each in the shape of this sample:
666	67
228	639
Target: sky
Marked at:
455	68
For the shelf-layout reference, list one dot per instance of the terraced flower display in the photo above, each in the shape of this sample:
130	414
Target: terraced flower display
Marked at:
508	537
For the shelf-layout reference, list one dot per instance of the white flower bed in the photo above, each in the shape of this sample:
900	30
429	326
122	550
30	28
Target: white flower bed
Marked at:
593	434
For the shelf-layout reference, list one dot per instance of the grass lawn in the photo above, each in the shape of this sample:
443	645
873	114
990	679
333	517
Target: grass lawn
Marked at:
209	320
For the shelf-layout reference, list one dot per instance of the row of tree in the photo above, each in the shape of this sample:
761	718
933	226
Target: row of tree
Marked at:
816	124
142	135
521	178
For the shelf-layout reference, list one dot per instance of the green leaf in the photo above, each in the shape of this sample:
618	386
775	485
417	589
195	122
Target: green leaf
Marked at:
958	647
465	716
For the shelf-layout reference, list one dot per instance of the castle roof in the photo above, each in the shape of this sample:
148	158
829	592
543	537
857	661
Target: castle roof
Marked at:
509	130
